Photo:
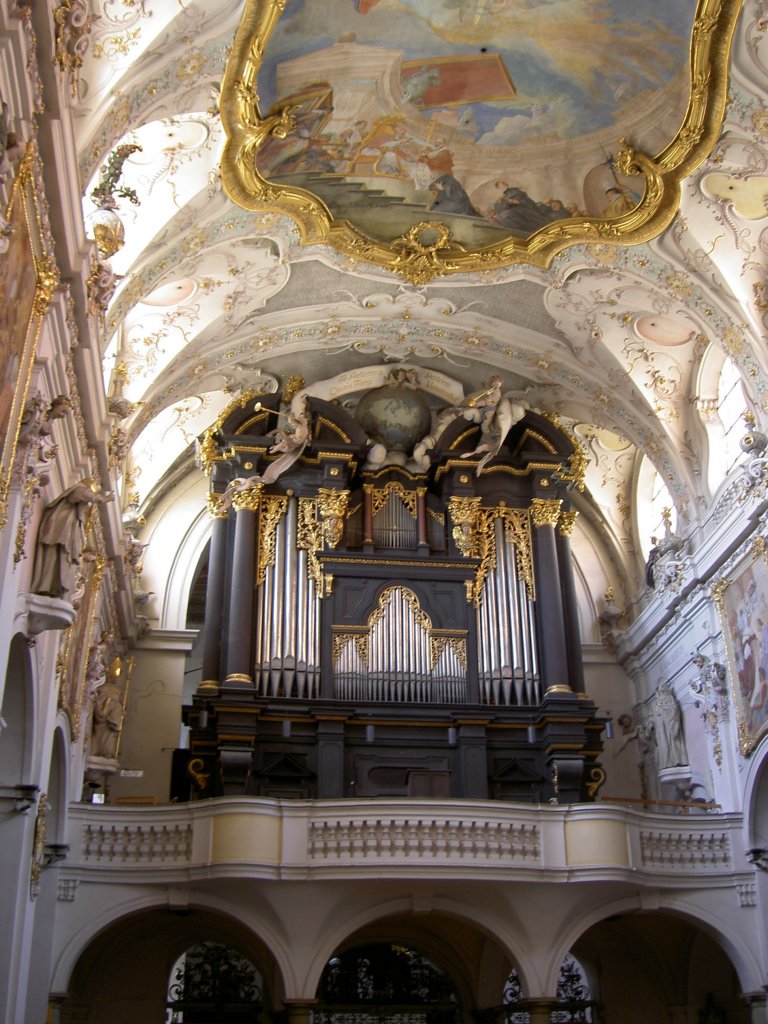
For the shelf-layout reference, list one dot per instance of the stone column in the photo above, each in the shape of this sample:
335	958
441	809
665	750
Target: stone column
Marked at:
565	526
553	655
758	1006
298	1011
240	625
539	1010
214	600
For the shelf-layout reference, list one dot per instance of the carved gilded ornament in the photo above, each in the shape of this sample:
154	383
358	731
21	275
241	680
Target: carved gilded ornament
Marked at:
25	216
72	31
567	522
38	846
427	249
215	506
578	460
248	499
332	506
208	449
310	539
273	508
437	644
545	511
72	659
474	532
360	640
380	496
596	779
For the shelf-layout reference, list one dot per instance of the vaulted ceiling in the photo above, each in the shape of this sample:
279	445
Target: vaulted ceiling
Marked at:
623	342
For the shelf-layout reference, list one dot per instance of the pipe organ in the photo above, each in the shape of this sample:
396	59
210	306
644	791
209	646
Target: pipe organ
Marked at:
390	625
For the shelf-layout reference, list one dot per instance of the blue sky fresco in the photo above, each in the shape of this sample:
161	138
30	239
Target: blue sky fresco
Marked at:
574	63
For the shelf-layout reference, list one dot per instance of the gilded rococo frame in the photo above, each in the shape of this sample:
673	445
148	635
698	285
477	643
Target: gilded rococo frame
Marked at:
28	278
427	250
742	603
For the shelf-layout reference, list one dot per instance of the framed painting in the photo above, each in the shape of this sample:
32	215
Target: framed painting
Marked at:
742	602
434	137
28	277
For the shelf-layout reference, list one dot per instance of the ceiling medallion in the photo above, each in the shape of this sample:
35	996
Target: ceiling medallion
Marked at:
432	137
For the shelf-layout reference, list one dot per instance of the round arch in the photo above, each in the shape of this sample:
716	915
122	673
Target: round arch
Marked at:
143	946
261	938
734	946
396	919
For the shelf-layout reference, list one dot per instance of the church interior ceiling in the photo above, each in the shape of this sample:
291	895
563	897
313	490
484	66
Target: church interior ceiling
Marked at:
623	342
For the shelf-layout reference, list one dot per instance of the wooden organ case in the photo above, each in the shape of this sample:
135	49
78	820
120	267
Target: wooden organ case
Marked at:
390	630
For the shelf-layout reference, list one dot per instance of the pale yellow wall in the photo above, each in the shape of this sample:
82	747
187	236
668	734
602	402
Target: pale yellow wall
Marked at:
151	726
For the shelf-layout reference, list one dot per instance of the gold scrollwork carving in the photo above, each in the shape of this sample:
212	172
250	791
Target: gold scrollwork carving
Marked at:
273	508
545	511
208	450
437	645
567	522
195	772
517	531
332	506
385	598
596	780
475	534
380	496
310	539
360	640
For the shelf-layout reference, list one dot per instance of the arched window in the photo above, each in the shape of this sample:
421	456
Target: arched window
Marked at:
722	403
212	984
652	499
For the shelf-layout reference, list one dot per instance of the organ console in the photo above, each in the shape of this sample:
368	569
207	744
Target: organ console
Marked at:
389	611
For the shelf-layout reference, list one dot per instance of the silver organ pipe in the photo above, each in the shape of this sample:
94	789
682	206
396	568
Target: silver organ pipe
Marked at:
394	526
400	666
287	611
506	630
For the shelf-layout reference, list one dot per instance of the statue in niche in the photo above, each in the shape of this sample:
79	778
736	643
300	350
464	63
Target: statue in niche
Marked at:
108	713
61	536
96	668
668	722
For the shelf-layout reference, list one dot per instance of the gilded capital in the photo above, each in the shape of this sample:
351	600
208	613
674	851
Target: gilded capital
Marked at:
566	522
248	500
216	507
545	511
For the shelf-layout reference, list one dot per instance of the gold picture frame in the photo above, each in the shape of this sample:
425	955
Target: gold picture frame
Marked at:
427	249
28	278
743	608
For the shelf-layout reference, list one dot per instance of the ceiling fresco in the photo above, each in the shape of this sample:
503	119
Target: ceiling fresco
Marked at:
622	342
433	136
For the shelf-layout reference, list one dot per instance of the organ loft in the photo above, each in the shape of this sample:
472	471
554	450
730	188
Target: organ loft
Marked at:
390	600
